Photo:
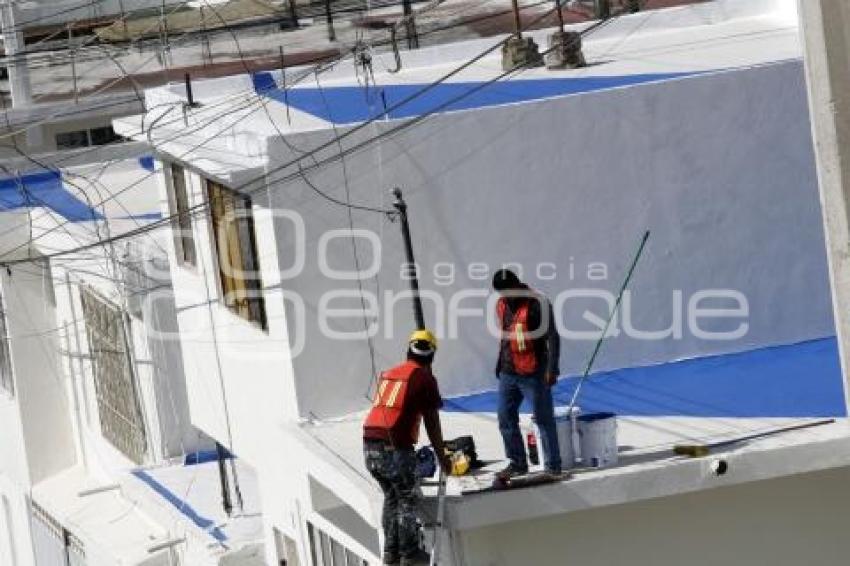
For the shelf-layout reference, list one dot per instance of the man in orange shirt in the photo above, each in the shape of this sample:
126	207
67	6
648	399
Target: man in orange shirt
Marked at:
407	395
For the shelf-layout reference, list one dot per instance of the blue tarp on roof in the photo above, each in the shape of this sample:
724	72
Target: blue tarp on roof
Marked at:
44	188
800	380
351	104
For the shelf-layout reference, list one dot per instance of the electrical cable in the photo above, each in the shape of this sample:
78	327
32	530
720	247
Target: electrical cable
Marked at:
404	125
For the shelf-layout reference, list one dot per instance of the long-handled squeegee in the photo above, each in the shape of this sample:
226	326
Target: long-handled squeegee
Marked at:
700	450
601	339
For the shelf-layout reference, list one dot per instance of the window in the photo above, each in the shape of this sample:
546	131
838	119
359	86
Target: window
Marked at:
118	403
104	136
184	243
7	381
72	140
326	551
236	247
84	138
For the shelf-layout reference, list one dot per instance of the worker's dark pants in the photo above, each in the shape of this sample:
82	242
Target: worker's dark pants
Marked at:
395	471
512	389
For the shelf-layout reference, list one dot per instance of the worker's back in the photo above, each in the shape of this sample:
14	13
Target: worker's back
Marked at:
403	394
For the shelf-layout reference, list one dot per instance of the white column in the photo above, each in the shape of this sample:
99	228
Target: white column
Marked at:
826	34
13	41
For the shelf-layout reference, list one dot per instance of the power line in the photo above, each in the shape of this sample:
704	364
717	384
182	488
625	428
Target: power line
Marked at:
392	131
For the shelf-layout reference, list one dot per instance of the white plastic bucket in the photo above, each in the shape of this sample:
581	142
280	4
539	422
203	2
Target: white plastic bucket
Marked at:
598	439
564	427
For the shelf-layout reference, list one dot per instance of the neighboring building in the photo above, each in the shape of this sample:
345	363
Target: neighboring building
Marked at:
691	122
102	465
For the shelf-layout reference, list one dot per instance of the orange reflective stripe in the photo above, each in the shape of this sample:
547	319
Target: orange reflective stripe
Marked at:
379	396
394	395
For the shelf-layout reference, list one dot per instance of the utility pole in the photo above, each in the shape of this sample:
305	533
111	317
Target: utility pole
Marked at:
826	36
72	54
411	270
13	43
517	20
124	20
329	16
602	9
293	13
18	69
410	25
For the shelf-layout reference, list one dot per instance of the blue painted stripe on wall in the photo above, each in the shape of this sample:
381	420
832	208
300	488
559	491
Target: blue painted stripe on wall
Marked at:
206	524
350	104
44	188
799	380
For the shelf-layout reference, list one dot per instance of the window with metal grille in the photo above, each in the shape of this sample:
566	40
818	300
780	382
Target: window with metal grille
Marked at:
236	247
7	380
118	404
181	223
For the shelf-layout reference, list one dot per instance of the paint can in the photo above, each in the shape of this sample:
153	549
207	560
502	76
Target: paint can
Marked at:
598	439
565	424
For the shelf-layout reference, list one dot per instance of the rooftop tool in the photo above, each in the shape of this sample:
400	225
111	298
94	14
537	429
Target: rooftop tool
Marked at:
700	450
598	346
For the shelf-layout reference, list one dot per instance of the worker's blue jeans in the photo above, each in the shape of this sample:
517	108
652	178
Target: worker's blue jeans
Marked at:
512	390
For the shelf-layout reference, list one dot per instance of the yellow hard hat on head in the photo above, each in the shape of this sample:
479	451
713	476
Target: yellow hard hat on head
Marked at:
423	336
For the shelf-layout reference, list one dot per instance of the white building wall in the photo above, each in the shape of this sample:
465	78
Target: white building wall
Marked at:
37	365
239	377
725	183
15	539
789	521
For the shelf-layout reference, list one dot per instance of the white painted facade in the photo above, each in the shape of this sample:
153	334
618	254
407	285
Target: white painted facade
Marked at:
57	456
717	163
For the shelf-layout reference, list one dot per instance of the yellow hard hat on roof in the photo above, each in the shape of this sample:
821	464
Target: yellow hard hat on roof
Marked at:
423	336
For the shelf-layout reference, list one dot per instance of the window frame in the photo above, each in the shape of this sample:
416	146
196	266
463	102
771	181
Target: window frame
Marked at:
68	135
117	395
181	224
240	294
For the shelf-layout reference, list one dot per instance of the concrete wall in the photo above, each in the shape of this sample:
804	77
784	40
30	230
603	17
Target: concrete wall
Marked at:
36	363
783	522
156	356
725	183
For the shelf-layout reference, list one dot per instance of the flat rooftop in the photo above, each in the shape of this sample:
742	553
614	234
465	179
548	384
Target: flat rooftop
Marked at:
647	466
240	115
704	400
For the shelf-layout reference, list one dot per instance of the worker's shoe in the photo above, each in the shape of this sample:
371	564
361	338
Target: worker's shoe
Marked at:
418	559
555	475
391	559
510	471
